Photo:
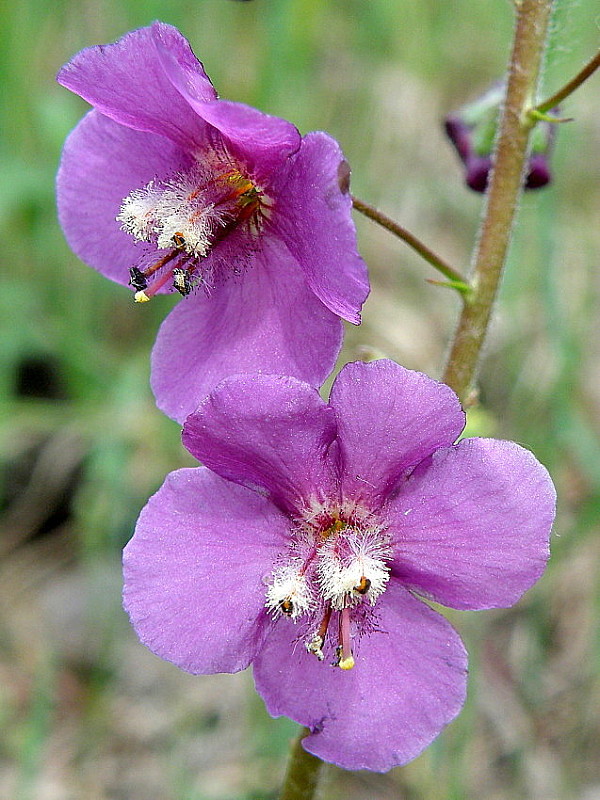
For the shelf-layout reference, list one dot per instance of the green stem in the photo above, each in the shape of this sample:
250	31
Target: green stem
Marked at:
302	774
412	241
503	194
569	87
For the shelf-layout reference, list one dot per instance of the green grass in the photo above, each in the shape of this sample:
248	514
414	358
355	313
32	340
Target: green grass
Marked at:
107	719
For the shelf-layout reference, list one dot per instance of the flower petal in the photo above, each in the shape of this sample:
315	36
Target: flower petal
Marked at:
408	682
193	571
102	162
312	215
389	419
261	141
471	525
267	432
266	320
127	82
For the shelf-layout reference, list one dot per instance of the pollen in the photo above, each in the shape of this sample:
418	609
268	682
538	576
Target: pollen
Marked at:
334	529
287	606
363	585
346	663
186	216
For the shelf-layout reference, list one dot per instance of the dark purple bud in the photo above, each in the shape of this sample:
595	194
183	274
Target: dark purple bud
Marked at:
539	171
472	131
477	172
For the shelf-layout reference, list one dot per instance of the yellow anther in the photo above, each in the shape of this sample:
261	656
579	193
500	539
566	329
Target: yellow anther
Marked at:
346	663
140	297
363	586
334	528
286	606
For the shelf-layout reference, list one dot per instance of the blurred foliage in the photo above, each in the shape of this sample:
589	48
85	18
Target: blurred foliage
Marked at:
85	710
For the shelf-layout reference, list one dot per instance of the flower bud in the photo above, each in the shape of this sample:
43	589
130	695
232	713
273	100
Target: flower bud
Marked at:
472	130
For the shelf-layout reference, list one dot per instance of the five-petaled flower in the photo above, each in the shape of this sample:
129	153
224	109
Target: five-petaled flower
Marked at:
303	545
164	186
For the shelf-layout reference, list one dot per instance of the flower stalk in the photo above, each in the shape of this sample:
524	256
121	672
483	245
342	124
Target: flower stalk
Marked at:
568	89
303	772
506	183
457	281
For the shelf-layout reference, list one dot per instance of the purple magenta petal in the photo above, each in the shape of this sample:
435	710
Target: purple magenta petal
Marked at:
269	432
389	419
261	141
194	571
127	82
471	526
407	684
102	163
265	320
312	215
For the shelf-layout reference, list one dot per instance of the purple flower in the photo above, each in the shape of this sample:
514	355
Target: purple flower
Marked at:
164	186
303	544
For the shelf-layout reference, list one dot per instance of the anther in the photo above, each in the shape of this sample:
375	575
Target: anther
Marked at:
315	645
363	586
347	662
137	279
187	215
181	281
341	661
286	606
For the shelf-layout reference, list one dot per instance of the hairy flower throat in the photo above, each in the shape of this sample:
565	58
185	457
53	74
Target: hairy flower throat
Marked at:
331	577
187	216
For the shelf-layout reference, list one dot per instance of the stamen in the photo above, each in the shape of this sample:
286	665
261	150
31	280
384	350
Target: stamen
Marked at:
290	593
137	279
315	646
338	561
363	585
181	281
146	294
286	606
159	264
346	659
352	565
188	214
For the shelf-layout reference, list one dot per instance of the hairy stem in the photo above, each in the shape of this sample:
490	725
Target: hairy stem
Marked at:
503	194
302	774
412	241
570	87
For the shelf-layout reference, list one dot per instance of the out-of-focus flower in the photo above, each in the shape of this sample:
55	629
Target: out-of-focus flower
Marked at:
472	131
163	185
303	545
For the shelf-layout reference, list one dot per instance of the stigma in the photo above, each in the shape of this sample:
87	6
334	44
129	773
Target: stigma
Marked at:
330	579
185	217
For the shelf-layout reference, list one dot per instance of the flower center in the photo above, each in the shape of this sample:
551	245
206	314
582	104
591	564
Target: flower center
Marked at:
331	576
187	215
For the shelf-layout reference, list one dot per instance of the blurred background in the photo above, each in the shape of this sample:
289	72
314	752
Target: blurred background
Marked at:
85	710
